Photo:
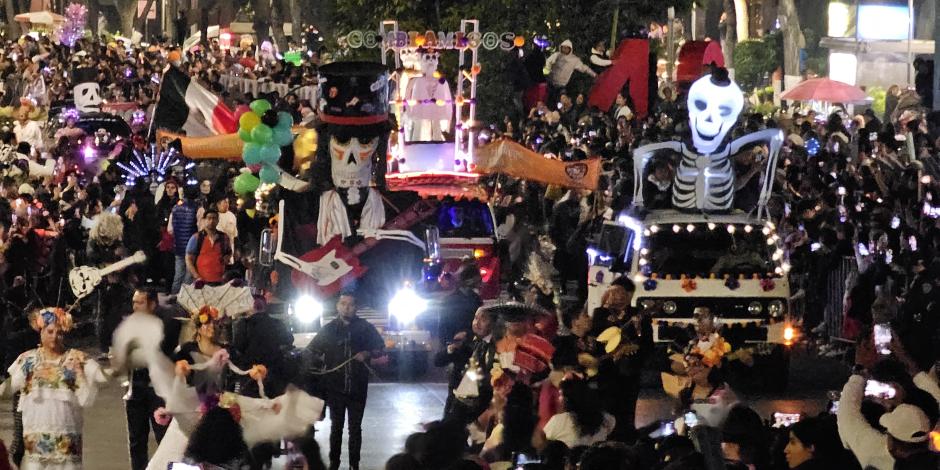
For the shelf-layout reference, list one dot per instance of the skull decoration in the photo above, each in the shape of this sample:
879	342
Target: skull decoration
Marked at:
714	104
351	165
427	61
86	91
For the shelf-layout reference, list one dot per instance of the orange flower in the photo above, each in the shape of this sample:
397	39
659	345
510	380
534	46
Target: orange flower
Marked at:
688	284
182	368
258	372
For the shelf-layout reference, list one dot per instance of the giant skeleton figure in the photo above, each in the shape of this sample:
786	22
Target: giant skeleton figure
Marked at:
704	178
351	205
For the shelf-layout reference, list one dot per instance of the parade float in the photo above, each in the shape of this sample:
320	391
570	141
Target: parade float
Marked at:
702	252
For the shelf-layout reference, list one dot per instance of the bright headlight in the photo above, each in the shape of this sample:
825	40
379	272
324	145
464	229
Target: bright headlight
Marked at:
307	309
669	307
754	308
406	305
775	308
647	303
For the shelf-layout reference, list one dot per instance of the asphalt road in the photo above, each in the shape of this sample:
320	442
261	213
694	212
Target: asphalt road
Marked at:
396	409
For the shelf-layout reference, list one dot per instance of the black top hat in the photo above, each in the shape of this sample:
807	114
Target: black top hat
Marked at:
84	75
354	93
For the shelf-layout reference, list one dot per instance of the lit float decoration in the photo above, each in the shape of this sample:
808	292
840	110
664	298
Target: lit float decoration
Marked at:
704	179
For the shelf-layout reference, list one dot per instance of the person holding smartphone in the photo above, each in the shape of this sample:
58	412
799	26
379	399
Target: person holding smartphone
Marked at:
904	440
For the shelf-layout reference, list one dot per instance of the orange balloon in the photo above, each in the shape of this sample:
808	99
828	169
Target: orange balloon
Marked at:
518	41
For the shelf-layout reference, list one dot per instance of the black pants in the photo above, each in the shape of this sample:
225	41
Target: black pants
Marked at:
140	421
339	406
620	397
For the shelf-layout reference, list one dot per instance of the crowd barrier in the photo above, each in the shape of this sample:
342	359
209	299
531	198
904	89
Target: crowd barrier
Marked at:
255	86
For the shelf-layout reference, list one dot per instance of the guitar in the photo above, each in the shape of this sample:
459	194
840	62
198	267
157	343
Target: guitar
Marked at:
327	268
592	363
84	279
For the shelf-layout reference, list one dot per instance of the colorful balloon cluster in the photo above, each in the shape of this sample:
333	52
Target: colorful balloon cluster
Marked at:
264	132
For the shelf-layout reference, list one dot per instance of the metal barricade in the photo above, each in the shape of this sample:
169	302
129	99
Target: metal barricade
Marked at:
837	285
255	86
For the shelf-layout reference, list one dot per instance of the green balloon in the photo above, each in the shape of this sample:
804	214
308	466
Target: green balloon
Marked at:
283	137
244	135
260	106
251	153
270	153
269	174
246	183
294	57
262	134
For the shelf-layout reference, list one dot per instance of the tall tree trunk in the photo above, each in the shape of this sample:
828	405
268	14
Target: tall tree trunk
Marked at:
278	15
728	26
93	10
141	21
297	22
793	39
127	13
13	29
741	19
262	19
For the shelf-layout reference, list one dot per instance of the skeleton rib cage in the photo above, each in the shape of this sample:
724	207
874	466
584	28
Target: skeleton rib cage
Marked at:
711	190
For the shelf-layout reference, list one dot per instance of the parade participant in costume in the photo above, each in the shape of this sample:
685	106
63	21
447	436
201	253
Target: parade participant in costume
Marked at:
195	384
628	338
55	384
346	346
471	392
424	119
86	91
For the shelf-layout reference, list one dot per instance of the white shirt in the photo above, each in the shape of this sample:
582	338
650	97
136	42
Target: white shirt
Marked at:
30	132
563	428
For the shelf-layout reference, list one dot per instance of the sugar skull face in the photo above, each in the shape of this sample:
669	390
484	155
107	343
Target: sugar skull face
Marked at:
351	162
409	58
428	61
87	97
713	111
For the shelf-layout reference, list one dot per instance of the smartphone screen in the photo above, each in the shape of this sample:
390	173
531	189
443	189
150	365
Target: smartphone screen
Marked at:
181	466
882	332
784	420
874	388
691	420
863	250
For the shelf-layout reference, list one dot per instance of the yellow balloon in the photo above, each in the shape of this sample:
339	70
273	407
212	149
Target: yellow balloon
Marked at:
249	120
305	147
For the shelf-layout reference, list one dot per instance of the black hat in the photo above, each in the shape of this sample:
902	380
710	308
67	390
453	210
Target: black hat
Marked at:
353	93
84	75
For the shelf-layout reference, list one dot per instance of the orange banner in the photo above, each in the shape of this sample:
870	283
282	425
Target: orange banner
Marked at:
513	159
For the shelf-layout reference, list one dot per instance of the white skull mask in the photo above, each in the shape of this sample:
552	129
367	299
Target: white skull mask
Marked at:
713	111
409	58
351	162
428	62
87	97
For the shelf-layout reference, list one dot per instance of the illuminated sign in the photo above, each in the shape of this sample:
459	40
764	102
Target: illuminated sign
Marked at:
884	22
434	40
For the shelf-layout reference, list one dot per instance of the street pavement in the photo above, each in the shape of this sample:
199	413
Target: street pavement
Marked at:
396	410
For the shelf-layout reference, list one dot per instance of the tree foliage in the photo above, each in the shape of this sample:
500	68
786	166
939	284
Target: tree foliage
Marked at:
756	59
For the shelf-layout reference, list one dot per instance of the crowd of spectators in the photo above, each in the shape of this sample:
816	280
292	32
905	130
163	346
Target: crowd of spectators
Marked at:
853	199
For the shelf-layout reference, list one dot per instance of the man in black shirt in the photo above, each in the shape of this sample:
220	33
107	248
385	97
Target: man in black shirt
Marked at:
346	344
141	400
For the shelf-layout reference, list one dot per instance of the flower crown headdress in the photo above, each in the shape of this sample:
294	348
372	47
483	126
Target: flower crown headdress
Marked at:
46	316
205	315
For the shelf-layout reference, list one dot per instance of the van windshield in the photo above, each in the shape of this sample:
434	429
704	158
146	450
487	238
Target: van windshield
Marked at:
464	219
702	252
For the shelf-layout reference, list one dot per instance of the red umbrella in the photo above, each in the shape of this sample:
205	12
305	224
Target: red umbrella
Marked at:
826	90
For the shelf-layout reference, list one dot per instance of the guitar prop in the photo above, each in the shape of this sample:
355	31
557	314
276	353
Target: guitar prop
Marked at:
84	279
327	268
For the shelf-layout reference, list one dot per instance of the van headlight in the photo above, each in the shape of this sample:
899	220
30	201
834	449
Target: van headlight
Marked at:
755	308
647	303
775	308
669	307
307	309
406	305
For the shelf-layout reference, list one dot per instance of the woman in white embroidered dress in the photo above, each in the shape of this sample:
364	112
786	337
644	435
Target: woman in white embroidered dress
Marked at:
55	384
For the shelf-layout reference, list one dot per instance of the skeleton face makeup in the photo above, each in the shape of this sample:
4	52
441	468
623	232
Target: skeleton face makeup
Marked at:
713	111
351	164
87	97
